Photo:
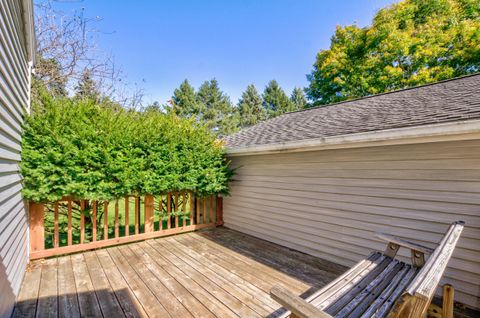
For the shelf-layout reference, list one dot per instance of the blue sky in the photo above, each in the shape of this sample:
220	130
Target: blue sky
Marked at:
160	43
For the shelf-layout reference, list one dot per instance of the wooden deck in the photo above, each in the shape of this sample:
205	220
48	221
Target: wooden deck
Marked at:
214	273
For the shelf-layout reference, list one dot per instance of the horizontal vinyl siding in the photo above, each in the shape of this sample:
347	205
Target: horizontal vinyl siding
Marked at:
13	100
330	203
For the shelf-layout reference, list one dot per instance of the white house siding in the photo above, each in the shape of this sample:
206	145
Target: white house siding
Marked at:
14	92
330	203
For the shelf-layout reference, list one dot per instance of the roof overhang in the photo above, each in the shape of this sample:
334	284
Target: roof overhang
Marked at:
458	130
29	29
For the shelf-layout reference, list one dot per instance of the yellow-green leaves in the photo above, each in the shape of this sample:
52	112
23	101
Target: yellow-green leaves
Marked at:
410	43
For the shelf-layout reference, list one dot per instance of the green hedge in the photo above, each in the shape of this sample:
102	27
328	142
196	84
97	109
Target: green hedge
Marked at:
101	152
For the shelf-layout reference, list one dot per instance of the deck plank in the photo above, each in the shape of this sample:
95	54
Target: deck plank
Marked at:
26	305
105	295
248	265
87	299
130	304
193	305
47	297
247	299
67	291
230	301
223	272
166	298
148	300
212	303
214	273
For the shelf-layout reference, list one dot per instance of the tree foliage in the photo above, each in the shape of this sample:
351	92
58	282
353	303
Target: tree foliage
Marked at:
77	147
298	99
250	107
409	43
275	101
214	109
86	87
184	101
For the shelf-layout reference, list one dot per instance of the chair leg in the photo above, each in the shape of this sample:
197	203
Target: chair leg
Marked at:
447	308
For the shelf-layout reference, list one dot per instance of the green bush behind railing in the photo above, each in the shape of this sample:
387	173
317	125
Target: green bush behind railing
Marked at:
84	149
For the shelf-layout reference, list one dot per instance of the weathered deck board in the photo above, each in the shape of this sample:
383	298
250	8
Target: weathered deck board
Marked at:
215	273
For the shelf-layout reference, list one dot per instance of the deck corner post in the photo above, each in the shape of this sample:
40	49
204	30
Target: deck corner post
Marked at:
149	213
37	230
219	211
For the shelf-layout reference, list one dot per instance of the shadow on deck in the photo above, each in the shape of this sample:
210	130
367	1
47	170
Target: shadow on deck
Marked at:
215	273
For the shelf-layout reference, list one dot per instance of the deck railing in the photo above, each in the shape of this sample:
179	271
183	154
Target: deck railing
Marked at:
73	225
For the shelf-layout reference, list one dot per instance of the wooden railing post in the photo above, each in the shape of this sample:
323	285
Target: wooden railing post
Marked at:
148	213
219	211
37	230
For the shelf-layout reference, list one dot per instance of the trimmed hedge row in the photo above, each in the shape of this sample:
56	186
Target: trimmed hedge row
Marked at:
100	152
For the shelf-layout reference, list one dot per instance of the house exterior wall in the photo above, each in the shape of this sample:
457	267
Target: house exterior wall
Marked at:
330	203
14	101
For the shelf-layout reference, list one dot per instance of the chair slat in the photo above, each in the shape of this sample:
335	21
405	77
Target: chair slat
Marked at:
395	294
373	290
348	296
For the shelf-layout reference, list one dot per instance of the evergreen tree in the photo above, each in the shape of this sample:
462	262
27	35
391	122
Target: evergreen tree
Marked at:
86	87
250	107
275	101
298	99
184	101
215	109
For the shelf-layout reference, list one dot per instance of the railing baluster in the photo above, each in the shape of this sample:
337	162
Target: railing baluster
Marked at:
137	214
160	209
127	220
169	209
105	220
184	208
82	222
69	229
211	209
205	210
198	211
55	226
175	209
116	219
219	211
94	221
192	208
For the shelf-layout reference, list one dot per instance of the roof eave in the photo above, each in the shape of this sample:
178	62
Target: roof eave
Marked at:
29	27
458	130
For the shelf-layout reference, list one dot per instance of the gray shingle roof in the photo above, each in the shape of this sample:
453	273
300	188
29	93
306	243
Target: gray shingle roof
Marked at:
447	101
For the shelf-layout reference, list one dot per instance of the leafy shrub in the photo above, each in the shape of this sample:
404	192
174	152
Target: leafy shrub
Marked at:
101	152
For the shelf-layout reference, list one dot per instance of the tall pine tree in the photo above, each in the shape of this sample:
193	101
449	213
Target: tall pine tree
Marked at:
250	107
215	109
86	87
298	99
275	101
184	101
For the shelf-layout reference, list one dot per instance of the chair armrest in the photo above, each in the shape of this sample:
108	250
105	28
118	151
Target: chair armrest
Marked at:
401	242
295	304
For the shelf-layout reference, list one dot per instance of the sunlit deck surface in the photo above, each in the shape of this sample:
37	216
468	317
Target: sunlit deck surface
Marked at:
214	273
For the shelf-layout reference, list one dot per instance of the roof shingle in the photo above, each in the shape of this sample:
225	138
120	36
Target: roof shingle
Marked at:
447	101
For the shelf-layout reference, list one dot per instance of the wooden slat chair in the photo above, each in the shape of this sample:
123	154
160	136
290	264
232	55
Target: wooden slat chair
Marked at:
380	285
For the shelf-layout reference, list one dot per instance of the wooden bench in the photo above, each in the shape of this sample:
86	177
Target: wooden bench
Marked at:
380	285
